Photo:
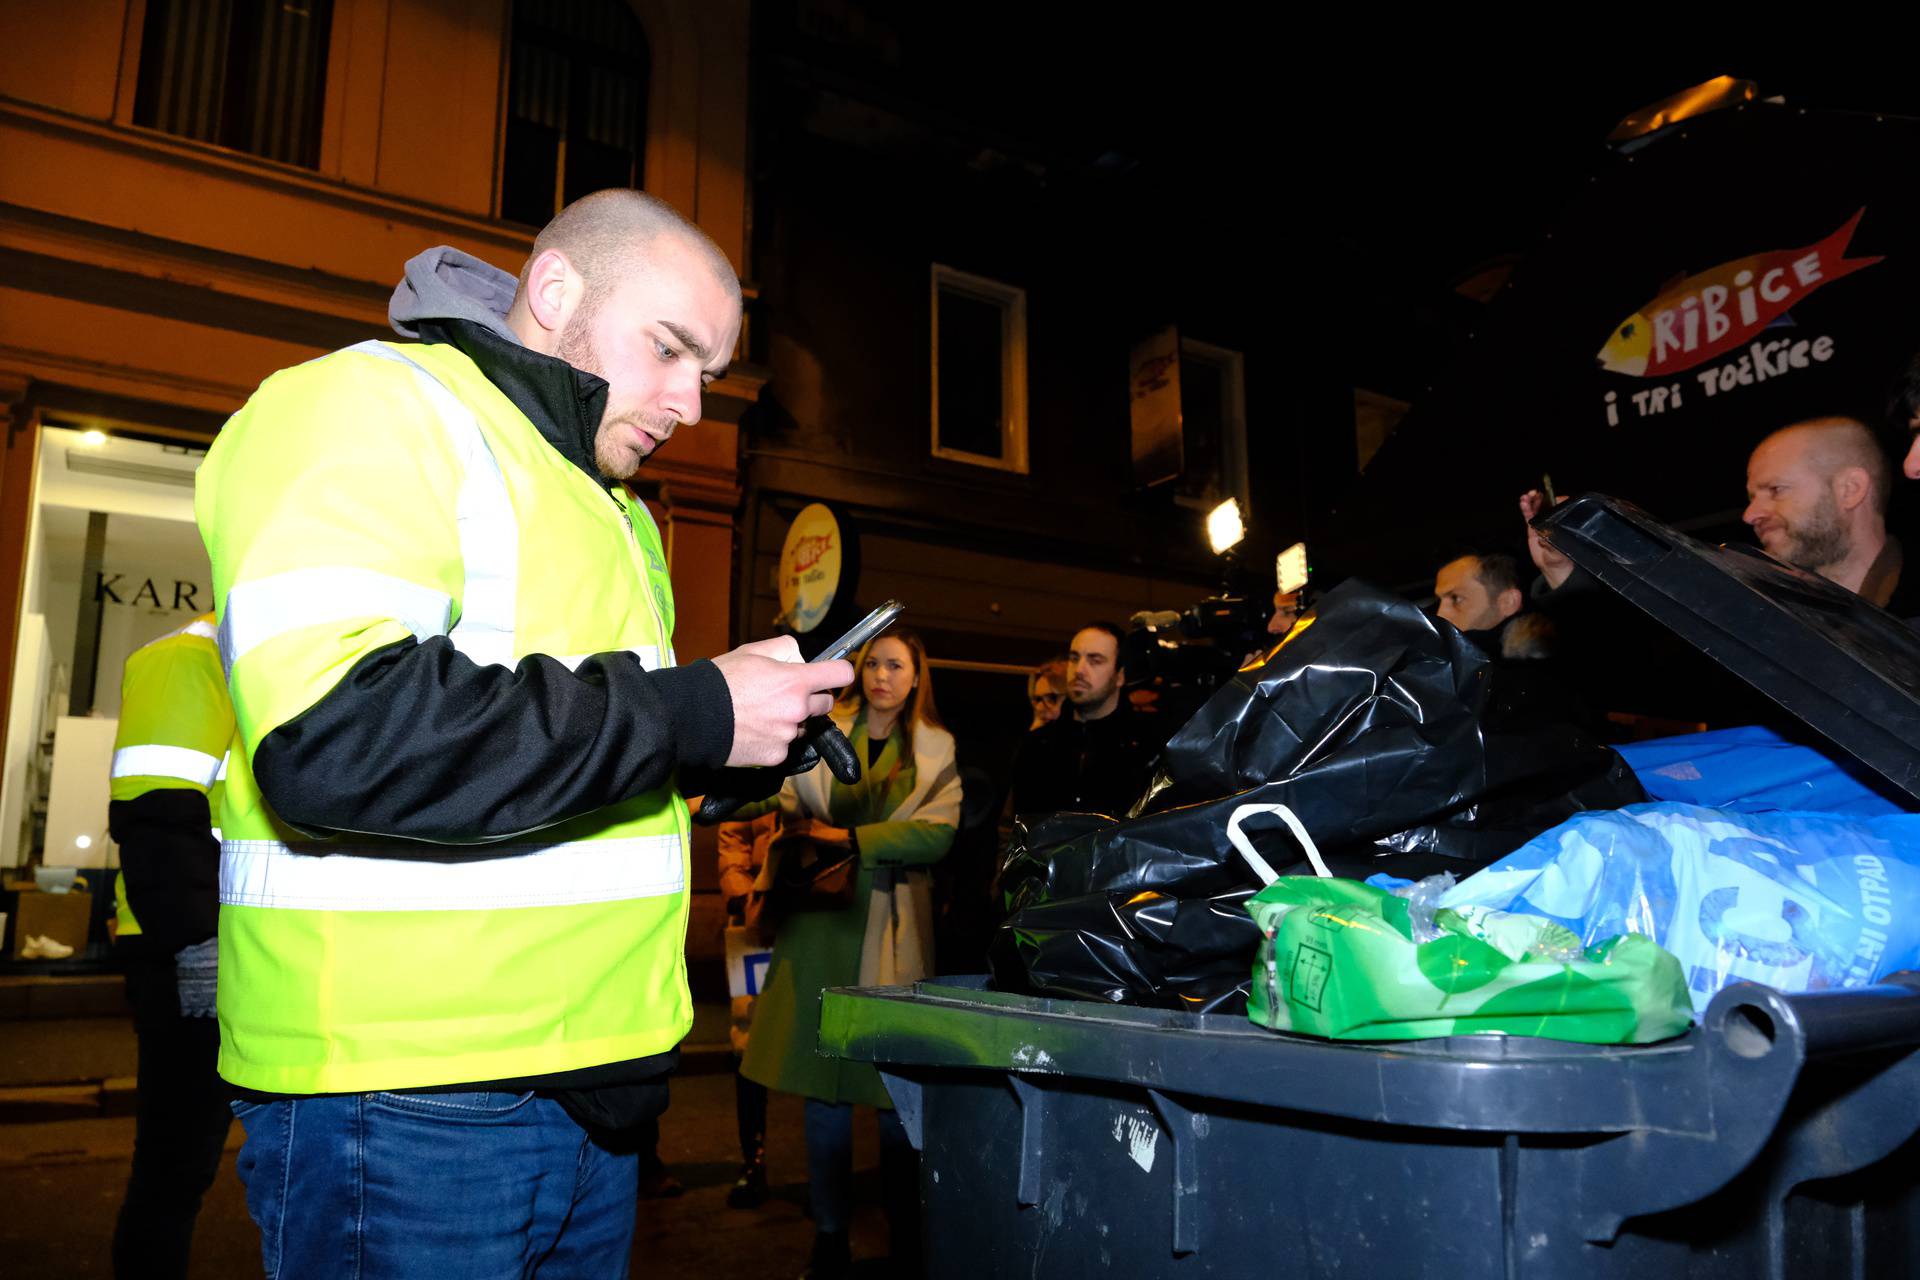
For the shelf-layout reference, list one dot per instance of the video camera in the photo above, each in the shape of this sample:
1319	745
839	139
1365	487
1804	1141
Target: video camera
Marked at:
1185	655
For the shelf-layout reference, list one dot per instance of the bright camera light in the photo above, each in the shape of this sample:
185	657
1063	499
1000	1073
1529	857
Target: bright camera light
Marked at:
93	439
83	842
1290	569
1224	527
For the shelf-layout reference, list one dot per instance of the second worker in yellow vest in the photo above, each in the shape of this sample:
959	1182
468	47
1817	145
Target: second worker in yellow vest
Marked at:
454	856
169	757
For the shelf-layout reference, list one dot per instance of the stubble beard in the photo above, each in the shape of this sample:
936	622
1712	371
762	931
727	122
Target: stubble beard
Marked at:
1093	697
1822	542
615	460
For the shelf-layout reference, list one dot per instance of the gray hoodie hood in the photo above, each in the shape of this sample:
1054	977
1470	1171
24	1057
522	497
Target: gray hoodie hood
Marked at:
453	297
445	284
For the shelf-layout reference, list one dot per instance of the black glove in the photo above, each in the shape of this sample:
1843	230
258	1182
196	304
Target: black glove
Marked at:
728	789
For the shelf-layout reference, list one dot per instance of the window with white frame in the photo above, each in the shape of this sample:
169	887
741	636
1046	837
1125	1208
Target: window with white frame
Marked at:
1213	425
979	370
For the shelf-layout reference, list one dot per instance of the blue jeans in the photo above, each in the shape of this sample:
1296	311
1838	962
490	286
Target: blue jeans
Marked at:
483	1186
829	1129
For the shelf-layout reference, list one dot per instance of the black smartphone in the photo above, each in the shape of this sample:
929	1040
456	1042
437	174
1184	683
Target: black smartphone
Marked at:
864	630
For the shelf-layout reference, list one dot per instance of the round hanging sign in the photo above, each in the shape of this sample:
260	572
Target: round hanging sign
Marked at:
810	562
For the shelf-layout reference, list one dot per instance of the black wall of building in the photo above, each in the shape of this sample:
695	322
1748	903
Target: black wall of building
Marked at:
855	200
1525	394
1341	212
846	246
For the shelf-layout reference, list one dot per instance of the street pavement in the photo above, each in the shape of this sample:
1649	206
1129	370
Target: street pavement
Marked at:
61	1179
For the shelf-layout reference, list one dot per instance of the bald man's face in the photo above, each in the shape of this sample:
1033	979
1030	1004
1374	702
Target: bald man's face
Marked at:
1791	505
658	337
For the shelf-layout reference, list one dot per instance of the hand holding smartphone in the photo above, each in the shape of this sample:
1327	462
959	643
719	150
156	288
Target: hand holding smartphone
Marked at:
820	741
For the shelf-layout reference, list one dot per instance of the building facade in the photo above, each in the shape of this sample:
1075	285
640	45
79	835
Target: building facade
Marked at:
195	194
954	275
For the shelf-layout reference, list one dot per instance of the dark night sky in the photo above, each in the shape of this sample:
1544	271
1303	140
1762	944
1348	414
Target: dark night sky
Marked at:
1320	194
1442	148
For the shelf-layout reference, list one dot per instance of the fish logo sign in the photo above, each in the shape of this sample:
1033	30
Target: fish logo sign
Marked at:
1694	319
809	551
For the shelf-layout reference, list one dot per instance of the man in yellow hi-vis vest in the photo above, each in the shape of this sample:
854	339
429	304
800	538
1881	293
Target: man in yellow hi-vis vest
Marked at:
453	875
164	812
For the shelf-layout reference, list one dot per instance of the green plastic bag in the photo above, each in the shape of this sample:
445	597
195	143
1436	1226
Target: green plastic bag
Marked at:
1337	959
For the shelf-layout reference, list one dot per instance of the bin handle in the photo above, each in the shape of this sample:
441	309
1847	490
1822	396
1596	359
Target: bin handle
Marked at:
1261	867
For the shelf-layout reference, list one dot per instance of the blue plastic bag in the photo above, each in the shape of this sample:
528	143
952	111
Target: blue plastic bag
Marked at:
1754	770
1797	901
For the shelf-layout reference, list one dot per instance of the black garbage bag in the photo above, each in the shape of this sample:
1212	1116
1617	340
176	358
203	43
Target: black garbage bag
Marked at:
1141	948
1540	780
1365	724
1071	855
1543	765
1371	728
1372	696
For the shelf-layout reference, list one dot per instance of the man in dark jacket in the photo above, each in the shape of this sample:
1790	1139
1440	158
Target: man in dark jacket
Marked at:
1817	495
1096	757
1480	595
1817	499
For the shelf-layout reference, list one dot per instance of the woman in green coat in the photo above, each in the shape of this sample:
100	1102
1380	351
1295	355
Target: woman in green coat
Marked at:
900	818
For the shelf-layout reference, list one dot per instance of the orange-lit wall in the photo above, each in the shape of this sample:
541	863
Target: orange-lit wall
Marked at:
165	277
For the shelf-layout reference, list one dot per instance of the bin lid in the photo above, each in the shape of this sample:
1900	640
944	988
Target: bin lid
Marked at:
1832	659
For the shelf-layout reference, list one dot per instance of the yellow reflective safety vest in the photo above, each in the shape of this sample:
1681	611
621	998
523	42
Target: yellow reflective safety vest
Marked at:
390	490
175	724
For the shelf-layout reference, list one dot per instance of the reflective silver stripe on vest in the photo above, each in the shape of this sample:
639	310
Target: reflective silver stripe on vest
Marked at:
328	877
155	761
225	760
489	534
259	611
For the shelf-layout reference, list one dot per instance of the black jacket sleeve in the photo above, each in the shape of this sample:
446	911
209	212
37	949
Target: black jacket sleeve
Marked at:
171	864
419	742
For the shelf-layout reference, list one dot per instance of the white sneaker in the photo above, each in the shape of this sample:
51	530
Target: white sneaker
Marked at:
41	947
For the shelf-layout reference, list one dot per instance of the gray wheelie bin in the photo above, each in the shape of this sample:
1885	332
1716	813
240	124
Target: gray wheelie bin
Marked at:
1775	1139
1066	1138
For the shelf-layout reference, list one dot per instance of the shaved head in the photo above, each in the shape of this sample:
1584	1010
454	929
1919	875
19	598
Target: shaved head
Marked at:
1830	445
1817	498
621	287
614	233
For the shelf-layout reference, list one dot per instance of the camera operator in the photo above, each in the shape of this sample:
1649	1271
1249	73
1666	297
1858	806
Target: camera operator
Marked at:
1096	757
1289	607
